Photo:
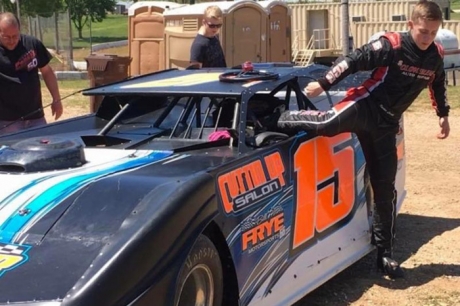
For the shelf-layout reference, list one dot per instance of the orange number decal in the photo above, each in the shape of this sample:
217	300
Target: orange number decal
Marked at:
325	186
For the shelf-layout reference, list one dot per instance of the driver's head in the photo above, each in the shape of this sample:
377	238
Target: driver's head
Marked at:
424	23
265	110
223	114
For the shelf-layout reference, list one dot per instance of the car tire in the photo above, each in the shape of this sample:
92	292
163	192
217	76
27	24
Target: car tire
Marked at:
200	280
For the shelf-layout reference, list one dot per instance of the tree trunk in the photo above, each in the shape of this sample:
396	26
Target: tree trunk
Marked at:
79	26
70	59
56	32
39	28
30	25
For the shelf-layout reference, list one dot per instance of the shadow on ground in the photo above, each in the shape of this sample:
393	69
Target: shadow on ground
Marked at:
413	232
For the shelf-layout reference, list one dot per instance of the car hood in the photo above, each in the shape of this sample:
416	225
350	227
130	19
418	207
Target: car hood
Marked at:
26	198
35	247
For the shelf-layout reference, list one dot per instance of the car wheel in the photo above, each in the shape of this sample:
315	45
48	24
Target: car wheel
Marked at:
200	280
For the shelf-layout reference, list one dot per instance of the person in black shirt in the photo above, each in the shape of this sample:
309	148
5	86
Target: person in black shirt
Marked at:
402	65
21	57
206	51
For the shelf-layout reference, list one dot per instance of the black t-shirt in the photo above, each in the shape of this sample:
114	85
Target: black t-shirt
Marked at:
207	51
22	63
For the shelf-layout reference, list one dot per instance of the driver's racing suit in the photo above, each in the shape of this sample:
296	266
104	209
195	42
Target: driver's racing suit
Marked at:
373	110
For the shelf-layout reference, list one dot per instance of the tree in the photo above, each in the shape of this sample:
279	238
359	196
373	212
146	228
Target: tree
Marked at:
81	11
43	8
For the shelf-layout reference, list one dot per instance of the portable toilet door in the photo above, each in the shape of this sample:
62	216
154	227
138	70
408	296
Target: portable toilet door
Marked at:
146	35
181	27
245	33
279	31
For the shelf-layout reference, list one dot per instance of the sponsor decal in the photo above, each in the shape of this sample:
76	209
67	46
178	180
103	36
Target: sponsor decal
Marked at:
28	60
414	71
251	183
336	71
262	230
12	256
377	45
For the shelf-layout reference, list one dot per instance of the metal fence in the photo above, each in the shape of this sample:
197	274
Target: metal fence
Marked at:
54	32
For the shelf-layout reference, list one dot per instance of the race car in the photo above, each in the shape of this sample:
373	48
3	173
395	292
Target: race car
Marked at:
180	190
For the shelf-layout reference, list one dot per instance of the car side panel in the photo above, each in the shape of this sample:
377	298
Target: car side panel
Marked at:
290	206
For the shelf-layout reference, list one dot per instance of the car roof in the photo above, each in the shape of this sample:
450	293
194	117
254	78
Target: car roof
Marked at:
192	82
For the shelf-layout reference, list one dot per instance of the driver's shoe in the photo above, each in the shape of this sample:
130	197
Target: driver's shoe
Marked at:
389	266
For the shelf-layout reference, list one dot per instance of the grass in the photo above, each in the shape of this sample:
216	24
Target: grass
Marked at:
454	5
113	28
423	102
454	16
66	88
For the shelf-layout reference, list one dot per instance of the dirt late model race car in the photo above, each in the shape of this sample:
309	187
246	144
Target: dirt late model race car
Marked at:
181	190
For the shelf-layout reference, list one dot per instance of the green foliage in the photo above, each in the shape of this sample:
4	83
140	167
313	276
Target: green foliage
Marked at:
455	4
8	6
84	11
43	8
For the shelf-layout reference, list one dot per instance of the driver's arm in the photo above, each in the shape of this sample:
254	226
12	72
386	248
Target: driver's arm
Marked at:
378	53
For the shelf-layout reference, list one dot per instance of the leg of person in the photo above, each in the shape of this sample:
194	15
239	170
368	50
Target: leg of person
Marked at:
349	115
7	127
381	157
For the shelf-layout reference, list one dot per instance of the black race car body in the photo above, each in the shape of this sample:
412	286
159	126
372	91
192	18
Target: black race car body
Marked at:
181	191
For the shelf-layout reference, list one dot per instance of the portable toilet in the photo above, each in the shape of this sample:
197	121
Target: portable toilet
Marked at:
449	42
146	35
279	30
243	34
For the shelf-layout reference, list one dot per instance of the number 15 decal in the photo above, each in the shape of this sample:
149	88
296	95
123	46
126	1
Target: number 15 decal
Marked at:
324	187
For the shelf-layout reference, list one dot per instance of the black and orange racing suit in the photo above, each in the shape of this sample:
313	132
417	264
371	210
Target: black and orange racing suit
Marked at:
400	71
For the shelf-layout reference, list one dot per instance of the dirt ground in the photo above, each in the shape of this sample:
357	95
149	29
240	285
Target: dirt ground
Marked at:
428	228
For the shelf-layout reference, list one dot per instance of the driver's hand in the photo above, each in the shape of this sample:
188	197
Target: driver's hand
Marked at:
313	89
445	127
